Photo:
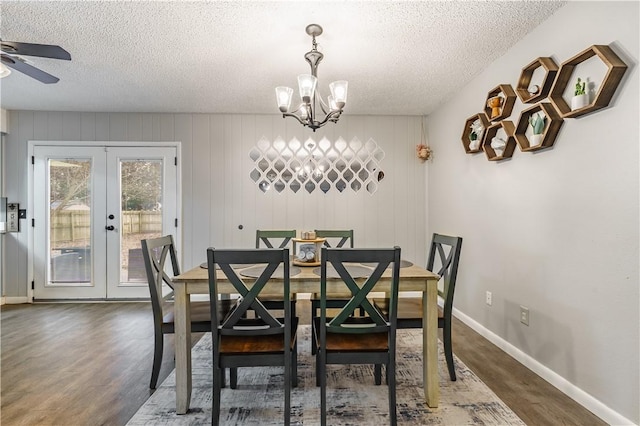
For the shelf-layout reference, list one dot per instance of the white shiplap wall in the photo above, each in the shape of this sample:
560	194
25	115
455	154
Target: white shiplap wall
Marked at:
217	193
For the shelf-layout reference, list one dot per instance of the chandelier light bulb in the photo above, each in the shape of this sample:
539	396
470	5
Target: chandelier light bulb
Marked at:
283	97
307	85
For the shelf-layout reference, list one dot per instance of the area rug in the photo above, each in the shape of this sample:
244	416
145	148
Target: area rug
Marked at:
353	398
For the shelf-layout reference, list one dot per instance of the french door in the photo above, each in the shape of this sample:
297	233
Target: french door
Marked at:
92	206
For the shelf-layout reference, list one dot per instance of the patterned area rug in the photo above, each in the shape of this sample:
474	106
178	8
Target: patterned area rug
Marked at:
353	398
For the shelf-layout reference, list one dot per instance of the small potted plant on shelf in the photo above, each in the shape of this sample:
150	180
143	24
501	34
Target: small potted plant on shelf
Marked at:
476	135
537	122
580	98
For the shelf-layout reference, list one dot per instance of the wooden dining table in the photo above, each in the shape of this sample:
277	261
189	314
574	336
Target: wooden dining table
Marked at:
412	278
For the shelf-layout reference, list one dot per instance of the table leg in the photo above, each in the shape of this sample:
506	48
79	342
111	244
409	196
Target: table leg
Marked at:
182	340
430	344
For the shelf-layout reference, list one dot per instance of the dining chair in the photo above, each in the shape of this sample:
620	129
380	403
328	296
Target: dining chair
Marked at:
278	238
241	340
155	252
444	255
334	238
345	339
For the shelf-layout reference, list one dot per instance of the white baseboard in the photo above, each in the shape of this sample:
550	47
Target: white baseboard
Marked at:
15	300
2	301
563	385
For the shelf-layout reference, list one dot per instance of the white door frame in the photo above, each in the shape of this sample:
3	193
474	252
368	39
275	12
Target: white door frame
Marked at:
31	202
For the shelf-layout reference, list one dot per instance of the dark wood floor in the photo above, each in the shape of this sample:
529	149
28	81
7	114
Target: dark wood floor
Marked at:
90	364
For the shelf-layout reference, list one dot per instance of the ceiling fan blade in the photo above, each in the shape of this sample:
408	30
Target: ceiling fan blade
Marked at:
32	49
29	70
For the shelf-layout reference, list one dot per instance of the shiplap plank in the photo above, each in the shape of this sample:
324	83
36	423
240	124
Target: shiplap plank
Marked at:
147	127
167	127
71	126
54	126
102	126
233	170
40	124
217	179
88	126
200	165
134	127
181	129
117	127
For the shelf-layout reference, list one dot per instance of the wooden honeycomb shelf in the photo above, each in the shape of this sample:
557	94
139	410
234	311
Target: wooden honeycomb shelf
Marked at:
466	132
552	126
524	83
491	132
509	100
615	70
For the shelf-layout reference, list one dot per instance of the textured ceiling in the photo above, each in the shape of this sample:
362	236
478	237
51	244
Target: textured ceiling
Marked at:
216	57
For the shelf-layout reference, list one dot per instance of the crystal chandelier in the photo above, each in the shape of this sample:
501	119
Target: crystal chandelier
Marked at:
307	84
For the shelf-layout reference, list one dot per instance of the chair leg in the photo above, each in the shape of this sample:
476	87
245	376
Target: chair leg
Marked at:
448	350
157	358
322	375
288	358
217	379
233	378
391	381
377	374
317	369
294	365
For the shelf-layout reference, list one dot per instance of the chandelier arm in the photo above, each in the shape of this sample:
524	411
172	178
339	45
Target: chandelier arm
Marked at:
332	116
288	114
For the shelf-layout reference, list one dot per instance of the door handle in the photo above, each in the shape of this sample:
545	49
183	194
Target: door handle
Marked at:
110	228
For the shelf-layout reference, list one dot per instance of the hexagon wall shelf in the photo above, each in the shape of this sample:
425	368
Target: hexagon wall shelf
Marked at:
466	138
615	70
550	68
551	128
491	132
509	99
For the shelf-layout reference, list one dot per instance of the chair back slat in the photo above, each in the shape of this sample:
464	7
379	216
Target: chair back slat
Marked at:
155	252
335	238
344	322
445	252
237	321
274	238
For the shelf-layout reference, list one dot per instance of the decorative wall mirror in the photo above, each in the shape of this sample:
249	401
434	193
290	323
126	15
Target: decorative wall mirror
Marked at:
312	165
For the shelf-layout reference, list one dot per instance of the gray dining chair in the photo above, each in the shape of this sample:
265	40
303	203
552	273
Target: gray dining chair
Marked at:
345	339
444	255
334	238
262	339
155	252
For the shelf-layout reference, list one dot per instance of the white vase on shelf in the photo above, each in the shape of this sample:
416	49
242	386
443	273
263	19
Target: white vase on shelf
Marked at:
535	140
498	145
579	101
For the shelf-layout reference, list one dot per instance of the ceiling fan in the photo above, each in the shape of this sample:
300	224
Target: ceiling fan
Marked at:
9	50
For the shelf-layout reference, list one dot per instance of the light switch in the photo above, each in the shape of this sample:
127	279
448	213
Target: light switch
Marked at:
13	217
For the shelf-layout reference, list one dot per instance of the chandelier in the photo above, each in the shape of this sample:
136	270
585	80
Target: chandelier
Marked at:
307	112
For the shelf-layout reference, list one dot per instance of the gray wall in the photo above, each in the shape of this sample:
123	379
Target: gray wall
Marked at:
218	194
556	231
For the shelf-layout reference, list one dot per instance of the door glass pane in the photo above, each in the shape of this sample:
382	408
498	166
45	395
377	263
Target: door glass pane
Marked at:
141	209
69	221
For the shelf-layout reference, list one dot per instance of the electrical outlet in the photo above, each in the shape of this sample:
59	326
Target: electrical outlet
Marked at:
488	298
524	315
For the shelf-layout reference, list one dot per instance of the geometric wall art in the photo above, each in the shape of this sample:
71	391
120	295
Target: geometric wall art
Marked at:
310	165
